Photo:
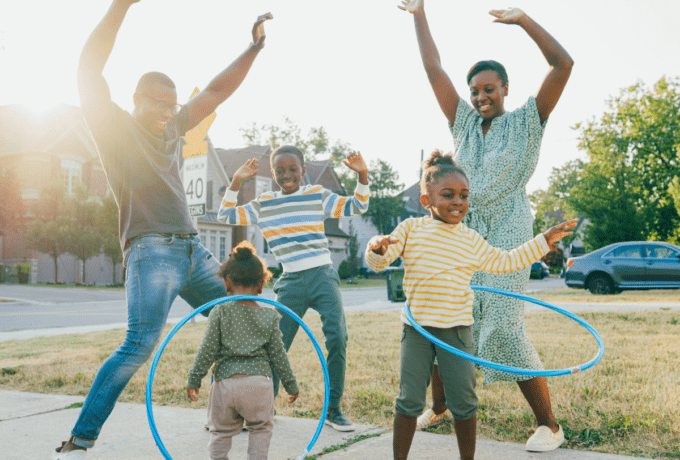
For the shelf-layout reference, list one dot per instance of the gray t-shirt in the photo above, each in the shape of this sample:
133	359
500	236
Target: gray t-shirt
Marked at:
143	172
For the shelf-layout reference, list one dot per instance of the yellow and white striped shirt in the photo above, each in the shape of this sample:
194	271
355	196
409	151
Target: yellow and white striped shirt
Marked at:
439	261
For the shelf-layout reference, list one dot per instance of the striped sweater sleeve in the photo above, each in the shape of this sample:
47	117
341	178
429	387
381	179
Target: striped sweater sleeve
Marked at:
231	214
379	262
498	261
335	205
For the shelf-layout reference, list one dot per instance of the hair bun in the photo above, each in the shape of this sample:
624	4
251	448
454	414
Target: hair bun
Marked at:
439	158
242	253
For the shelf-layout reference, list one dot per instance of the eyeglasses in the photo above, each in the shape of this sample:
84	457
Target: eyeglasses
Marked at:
163	105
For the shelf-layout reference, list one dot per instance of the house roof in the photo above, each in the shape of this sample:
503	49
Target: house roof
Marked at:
411	198
317	172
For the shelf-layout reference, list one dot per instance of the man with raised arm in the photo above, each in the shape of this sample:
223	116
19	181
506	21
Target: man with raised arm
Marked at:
162	253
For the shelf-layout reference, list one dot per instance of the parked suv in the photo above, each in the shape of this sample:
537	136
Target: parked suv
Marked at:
629	265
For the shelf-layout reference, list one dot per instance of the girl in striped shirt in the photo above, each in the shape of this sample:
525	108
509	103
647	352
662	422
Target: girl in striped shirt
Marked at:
292	222
440	255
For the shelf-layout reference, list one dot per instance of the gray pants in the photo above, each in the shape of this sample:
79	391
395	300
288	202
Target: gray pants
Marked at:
458	374
233	400
319	289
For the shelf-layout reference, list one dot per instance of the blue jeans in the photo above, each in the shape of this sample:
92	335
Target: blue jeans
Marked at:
158	270
317	288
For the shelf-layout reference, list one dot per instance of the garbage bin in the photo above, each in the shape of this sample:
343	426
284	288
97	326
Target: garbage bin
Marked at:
395	284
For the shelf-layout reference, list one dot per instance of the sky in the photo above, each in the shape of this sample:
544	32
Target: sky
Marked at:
351	67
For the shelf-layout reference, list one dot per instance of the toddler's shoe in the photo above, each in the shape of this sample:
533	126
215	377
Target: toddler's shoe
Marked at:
429	418
544	440
338	421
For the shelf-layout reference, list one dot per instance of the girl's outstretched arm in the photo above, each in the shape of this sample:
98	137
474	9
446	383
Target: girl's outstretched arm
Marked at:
559	60
444	91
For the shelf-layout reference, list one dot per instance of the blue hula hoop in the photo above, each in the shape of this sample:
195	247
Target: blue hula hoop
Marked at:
289	312
516	370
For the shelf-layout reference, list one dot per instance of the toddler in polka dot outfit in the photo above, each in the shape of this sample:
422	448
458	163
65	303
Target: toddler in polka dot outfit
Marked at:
244	342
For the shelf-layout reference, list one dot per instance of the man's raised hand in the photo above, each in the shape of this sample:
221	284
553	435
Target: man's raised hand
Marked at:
411	5
258	30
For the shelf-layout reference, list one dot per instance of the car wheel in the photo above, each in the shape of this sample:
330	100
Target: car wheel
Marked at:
600	285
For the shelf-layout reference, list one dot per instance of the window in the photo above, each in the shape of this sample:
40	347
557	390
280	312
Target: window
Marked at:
70	173
213	241
628	252
223	246
262	184
661	252
202	236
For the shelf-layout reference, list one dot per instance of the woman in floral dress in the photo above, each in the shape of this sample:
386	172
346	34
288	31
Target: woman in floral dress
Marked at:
499	151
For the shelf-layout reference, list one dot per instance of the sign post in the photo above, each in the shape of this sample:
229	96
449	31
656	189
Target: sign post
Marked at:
195	154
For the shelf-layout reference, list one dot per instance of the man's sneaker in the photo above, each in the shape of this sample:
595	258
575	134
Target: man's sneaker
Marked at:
544	440
338	421
429	418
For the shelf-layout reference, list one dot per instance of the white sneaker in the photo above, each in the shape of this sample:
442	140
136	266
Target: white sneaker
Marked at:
78	454
544	440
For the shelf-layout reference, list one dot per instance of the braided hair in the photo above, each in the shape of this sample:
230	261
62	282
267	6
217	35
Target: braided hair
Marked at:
439	164
243	267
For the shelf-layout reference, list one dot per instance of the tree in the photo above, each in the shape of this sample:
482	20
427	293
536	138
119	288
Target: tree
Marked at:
48	232
634	155
107	223
12	209
83	239
352	259
385	204
626	187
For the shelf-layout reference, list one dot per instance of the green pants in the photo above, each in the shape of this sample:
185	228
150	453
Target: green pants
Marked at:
319	289
458	374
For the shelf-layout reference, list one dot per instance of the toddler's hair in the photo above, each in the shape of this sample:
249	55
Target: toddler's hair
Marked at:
244	267
438	165
287	149
481	66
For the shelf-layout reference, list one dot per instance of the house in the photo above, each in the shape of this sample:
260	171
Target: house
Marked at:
39	149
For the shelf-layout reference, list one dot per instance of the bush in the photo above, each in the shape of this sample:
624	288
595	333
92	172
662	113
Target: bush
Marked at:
343	270
22	268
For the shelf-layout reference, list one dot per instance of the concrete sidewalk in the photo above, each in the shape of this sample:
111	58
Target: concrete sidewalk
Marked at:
32	425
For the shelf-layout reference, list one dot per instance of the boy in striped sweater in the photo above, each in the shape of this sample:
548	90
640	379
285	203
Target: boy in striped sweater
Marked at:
440	256
291	220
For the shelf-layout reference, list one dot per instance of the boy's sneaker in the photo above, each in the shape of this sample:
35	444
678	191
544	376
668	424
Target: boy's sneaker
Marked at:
429	418
338	421
544	440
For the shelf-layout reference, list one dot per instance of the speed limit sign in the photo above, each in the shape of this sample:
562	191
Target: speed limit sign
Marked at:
195	153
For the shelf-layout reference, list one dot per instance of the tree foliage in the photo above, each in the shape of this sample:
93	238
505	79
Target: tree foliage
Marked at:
316	145
386	203
48	231
628	186
83	237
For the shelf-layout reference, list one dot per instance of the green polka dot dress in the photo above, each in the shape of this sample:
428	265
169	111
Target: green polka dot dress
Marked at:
499	165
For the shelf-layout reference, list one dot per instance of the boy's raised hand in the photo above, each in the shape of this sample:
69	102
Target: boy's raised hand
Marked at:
292	398
379	243
411	5
556	233
258	30
242	174
355	162
192	393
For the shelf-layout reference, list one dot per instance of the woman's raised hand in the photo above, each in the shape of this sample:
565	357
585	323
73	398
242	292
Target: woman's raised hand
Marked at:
411	5
511	16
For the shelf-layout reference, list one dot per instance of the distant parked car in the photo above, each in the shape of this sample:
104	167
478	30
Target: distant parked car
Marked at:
630	265
539	270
